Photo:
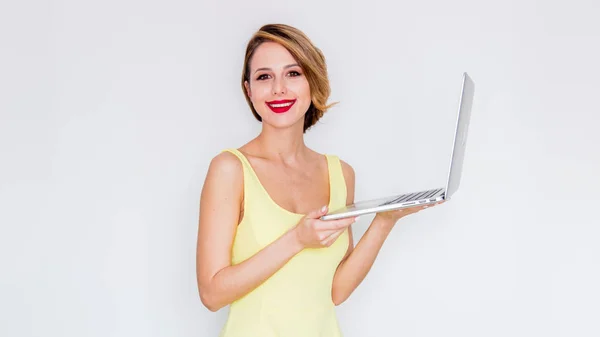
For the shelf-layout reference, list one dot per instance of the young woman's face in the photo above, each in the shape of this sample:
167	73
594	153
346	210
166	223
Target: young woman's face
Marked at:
277	87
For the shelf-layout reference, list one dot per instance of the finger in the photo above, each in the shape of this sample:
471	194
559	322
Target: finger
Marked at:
331	239
337	224
324	234
413	210
434	204
317	213
431	205
325	230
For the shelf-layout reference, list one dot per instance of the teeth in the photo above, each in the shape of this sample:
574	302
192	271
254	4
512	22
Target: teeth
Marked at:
281	105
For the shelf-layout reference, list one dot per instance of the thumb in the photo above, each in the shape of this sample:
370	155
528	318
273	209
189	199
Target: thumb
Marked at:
317	213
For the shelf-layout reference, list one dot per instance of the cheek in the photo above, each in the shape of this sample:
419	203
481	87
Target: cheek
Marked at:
260	92
302	89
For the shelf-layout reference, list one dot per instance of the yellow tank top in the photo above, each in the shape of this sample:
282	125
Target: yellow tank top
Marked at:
296	300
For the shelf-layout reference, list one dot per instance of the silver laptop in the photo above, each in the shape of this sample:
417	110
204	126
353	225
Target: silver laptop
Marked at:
429	196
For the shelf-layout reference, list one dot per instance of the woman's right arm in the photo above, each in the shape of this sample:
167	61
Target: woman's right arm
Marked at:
220	283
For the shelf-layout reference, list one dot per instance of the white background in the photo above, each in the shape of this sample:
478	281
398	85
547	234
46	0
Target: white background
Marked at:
112	110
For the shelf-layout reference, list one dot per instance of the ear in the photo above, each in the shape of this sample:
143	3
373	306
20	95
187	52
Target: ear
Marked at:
247	86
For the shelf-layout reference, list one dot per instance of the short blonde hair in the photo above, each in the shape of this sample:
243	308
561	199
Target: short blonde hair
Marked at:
309	58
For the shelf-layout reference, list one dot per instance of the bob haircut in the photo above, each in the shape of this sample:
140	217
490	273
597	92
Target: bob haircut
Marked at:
309	58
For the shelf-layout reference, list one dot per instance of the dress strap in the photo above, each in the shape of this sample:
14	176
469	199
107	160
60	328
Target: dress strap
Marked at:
246	167
337	183
238	154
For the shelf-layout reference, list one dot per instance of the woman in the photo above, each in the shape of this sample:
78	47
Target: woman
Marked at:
261	246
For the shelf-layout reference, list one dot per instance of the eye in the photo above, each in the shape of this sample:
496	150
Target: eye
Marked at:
294	73
262	77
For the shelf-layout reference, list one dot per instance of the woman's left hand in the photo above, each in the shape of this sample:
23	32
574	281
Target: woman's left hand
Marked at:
391	217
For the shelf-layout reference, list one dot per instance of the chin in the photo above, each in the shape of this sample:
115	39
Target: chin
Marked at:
283	121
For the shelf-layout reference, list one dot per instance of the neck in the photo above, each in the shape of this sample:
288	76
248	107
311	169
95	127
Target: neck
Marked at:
285	145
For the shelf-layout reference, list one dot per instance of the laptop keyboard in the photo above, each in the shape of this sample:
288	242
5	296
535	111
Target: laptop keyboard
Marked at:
413	196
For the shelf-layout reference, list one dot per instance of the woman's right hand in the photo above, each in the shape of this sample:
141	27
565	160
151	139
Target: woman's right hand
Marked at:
312	232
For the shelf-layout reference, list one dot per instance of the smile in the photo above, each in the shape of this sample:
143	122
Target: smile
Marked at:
281	106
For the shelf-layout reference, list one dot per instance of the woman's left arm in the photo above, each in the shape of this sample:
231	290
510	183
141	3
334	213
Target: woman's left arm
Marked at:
358	260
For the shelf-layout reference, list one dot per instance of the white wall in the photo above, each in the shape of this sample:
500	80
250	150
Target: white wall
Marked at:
112	110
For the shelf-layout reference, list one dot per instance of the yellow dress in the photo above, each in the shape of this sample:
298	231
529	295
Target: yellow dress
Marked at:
296	300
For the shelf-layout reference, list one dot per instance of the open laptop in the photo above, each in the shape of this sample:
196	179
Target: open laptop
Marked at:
429	196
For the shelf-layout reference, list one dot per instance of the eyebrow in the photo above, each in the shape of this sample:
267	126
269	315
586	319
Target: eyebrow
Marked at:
288	66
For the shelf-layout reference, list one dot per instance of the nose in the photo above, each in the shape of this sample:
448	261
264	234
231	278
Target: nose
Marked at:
279	86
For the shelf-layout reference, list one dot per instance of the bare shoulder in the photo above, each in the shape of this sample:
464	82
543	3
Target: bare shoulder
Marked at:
225	165
348	171
349	177
225	177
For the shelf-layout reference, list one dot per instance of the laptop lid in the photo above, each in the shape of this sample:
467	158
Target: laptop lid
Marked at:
460	135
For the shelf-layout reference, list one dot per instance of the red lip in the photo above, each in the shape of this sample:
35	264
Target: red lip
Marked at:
283	109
